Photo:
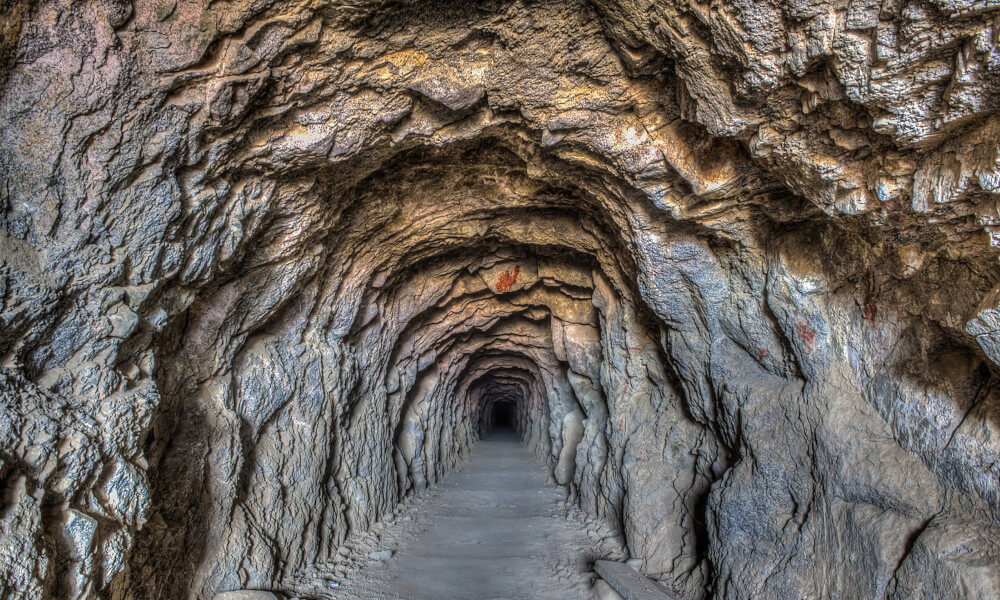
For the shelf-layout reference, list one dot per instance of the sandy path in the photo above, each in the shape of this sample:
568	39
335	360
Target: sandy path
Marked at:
495	529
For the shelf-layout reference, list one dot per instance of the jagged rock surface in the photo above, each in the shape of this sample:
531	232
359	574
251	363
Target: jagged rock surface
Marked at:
267	266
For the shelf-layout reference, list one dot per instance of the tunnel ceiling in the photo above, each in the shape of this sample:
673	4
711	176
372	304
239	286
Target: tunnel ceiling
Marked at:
269	265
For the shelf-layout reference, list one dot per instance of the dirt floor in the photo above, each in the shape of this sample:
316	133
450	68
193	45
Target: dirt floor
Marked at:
494	529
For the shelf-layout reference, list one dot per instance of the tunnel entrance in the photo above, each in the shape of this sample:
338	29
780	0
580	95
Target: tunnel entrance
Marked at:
504	416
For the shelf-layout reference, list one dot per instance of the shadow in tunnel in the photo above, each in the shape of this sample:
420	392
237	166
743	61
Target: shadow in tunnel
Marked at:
503	420
503	415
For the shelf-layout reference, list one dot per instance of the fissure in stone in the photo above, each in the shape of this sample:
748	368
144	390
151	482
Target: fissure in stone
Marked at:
506	299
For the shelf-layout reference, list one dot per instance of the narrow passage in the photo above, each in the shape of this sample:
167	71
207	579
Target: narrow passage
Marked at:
495	529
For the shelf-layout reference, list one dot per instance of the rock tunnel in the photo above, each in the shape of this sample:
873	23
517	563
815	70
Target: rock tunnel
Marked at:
271	269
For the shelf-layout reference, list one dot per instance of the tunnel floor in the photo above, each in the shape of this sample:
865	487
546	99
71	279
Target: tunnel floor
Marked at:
494	529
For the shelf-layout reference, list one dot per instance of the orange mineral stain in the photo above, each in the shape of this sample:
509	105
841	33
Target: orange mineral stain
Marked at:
869	306
507	279
806	333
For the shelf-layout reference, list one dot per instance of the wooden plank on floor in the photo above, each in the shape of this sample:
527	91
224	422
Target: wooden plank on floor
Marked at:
631	584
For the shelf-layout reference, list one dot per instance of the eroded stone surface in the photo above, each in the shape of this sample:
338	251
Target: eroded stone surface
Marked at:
267	267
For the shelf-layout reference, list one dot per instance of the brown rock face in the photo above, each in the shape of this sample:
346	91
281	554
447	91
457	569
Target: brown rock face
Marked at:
268	266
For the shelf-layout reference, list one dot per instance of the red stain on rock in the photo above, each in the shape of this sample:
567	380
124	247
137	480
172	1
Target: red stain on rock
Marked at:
869	310
869	306
507	279
806	333
763	352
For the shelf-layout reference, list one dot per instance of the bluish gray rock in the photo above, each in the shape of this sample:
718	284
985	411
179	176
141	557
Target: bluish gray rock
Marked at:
268	269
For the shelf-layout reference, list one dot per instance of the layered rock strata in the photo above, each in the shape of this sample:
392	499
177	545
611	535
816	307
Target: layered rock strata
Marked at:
269	265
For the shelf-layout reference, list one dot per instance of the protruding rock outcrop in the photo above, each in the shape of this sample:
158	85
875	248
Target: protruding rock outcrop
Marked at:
268	266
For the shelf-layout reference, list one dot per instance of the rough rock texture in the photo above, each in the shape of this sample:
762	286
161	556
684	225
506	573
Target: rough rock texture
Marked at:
268	265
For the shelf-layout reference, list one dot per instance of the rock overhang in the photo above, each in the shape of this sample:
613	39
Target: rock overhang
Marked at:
726	255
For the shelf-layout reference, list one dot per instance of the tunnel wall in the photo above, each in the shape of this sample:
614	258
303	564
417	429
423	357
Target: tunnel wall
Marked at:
265	263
